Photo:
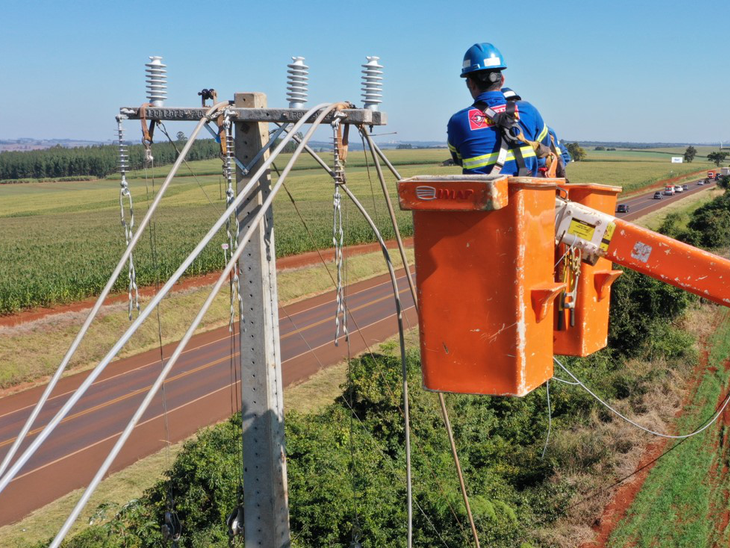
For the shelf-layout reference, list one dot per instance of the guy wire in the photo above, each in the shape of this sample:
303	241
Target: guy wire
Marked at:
152	232
369	351
447	423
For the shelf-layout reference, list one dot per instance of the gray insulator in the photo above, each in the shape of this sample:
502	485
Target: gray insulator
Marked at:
296	82
372	83
156	81
123	156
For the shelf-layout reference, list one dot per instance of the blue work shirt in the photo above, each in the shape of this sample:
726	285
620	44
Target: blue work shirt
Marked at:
560	146
474	140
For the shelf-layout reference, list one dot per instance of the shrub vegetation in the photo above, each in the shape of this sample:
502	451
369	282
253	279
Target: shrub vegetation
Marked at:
346	463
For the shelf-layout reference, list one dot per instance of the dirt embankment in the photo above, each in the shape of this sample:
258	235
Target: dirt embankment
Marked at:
627	491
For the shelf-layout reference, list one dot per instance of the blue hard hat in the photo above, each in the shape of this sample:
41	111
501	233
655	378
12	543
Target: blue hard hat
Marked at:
509	93
482	56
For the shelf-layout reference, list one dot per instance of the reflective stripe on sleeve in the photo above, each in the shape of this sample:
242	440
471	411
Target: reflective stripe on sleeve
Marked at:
453	150
543	134
490	159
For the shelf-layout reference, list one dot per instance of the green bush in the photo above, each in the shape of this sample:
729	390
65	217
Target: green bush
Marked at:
712	221
638	304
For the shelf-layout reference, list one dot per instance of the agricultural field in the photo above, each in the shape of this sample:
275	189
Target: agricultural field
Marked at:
62	240
631	170
702	152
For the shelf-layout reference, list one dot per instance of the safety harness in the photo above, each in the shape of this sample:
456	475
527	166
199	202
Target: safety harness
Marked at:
512	138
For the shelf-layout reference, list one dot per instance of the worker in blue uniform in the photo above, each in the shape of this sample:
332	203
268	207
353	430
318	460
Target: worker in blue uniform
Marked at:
492	136
564	152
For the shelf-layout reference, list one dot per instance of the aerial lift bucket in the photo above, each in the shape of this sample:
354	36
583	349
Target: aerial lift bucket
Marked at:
484	250
581	314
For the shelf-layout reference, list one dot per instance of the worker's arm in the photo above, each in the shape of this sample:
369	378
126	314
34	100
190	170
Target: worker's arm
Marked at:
455	154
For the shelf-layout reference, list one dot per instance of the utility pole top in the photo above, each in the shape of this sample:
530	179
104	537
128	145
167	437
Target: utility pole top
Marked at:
253	115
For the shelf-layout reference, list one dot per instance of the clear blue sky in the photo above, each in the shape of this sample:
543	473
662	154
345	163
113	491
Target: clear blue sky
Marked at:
620	70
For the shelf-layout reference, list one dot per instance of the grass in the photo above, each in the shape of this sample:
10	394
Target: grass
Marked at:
39	271
32	351
684	496
629	170
111	495
87	237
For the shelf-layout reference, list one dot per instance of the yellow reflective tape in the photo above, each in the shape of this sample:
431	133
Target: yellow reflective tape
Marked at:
489	159
543	133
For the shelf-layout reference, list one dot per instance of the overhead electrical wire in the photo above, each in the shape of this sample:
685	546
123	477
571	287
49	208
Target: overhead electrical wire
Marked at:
637	425
325	110
401	248
352	318
102	297
381	241
12	472
409	489
404	365
591	494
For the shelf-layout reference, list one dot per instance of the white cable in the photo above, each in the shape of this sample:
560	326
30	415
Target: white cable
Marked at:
554	378
404	367
661	435
550	419
100	300
198	318
145	313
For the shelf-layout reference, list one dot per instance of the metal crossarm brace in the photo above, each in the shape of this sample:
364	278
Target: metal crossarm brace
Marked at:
280	115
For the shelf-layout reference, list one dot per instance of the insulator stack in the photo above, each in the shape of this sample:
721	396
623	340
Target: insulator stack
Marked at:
229	166
296	82
372	83
123	156
156	81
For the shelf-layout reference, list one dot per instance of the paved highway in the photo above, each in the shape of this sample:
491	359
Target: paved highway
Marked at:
645	203
200	391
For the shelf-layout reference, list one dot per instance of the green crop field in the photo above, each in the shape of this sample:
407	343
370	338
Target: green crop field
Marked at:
61	240
631	170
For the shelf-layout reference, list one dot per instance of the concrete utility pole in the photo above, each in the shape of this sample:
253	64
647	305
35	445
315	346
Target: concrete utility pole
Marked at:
266	510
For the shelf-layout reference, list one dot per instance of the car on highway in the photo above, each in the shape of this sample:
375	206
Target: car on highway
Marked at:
669	191
685	187
678	188
700	182
658	195
622	208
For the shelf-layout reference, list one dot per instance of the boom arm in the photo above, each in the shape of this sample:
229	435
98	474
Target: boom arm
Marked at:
602	235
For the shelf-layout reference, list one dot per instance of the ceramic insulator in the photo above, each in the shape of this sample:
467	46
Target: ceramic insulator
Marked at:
296	82
372	83
123	155
156	81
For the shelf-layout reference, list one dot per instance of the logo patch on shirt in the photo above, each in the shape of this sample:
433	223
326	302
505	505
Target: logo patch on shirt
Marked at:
477	119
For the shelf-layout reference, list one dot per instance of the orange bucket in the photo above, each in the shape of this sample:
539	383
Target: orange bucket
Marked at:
581	327
484	248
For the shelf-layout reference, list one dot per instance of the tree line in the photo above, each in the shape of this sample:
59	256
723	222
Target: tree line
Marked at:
96	161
